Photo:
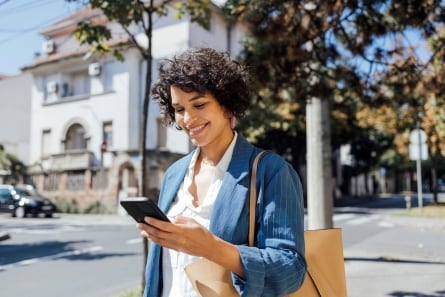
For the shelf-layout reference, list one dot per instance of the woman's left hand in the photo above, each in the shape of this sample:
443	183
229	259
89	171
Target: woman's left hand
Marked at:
184	234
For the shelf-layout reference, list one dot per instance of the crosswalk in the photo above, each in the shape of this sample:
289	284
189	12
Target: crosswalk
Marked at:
356	219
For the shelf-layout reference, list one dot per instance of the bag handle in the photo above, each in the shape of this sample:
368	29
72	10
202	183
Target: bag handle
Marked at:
253	198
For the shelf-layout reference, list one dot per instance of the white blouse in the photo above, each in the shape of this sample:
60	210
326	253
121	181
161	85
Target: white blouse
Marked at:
175	281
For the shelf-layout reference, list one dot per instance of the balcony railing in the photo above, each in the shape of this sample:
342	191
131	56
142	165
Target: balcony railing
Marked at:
72	160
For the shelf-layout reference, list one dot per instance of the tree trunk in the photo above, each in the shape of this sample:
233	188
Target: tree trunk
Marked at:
319	173
145	113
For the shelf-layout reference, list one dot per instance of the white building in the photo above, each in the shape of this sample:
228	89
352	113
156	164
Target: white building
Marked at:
15	123
79	105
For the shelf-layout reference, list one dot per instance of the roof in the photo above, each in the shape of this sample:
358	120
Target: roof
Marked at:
66	26
75	53
69	24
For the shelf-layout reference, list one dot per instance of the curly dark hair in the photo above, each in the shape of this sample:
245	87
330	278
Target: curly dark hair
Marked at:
203	70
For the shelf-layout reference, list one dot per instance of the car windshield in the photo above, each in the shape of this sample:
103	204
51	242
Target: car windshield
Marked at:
26	192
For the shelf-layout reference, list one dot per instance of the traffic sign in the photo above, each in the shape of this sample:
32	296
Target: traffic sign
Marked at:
103	146
418	151
417	136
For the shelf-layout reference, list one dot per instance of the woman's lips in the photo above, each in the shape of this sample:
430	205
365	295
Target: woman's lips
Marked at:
196	130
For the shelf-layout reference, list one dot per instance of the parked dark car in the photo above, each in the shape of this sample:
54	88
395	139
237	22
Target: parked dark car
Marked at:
23	200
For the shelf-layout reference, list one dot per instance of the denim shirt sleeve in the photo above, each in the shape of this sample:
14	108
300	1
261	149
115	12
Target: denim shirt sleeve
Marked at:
276	265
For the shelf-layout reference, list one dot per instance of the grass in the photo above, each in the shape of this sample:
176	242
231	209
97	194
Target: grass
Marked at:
427	211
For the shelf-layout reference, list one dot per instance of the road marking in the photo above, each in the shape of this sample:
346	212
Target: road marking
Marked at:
384	224
343	216
359	221
51	257
134	241
43	231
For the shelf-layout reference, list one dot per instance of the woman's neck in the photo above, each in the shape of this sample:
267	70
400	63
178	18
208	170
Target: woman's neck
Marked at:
212	154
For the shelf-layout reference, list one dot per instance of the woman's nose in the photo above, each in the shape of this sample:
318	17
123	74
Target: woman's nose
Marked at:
189	117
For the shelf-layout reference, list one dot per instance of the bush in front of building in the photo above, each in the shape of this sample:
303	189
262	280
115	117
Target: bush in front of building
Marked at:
66	206
72	206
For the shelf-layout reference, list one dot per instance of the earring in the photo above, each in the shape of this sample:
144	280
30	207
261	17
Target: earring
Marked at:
232	119
177	127
232	122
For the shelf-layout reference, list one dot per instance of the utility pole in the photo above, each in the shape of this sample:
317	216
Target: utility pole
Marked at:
319	168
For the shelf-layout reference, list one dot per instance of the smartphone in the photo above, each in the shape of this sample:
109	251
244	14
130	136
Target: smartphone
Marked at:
140	207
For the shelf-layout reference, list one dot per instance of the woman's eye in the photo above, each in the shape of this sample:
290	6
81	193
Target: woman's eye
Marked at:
179	110
199	105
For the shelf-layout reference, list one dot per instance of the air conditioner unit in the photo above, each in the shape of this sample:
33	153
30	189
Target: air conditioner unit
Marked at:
52	87
94	69
49	47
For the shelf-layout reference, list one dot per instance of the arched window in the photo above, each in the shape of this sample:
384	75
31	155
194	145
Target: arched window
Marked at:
75	138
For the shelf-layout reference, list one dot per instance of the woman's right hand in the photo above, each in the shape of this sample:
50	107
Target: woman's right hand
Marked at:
186	235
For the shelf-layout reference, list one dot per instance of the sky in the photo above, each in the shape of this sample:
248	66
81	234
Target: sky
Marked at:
20	24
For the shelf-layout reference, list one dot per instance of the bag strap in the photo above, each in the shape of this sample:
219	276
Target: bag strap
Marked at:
253	198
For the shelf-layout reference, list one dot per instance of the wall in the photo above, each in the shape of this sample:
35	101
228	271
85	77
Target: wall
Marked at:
15	102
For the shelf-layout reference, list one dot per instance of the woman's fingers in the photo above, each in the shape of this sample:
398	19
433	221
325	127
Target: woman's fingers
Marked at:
182	234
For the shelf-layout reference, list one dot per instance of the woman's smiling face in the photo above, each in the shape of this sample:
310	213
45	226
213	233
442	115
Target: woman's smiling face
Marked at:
201	116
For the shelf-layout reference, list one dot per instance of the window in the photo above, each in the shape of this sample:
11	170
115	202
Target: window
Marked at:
81	83
66	90
51	88
6	195
51	182
46	135
75	83
108	69
107	133
75	138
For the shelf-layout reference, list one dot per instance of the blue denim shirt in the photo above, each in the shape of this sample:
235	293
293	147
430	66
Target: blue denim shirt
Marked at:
276	265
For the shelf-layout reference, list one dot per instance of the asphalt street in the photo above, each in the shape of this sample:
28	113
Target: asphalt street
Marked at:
386	254
406	258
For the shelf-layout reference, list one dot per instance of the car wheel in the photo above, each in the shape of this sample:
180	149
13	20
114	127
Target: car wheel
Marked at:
20	212
49	215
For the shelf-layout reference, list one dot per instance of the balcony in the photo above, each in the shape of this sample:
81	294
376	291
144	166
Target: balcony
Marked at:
74	160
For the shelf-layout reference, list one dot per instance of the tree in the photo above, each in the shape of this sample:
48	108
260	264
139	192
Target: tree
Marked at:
12	164
331	53
141	14
411	95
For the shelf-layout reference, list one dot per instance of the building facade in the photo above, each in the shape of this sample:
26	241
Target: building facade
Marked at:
15	122
86	110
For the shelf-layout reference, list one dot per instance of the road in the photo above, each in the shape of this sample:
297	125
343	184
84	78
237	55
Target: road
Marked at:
391	255
100	256
69	256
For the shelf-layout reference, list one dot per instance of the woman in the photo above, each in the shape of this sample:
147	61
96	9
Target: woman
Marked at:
206	193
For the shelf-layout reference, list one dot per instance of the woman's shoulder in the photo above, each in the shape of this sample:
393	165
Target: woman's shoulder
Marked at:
273	163
273	159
